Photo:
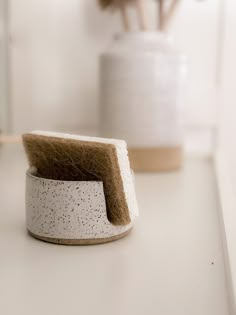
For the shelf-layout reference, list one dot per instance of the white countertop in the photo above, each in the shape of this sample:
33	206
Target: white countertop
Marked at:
171	263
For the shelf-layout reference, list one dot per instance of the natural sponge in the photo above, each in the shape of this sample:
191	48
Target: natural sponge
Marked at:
68	157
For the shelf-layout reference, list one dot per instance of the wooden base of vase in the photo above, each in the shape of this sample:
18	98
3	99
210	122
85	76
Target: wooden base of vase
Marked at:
93	241
156	159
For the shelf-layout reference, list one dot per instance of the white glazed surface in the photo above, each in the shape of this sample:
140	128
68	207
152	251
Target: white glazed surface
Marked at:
141	82
68	209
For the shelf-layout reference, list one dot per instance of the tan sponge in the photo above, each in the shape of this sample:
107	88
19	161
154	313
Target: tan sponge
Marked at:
79	158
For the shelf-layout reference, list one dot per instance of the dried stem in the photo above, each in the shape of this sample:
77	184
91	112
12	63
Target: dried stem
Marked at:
170	13
124	16
117	5
142	16
161	16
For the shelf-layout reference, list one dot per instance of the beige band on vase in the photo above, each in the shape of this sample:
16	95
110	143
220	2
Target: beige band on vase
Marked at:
156	159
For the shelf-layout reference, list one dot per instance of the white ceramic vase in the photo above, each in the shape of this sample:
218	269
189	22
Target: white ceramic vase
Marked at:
141	87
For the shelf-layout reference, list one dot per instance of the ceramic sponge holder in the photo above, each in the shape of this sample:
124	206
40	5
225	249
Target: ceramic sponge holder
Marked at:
69	212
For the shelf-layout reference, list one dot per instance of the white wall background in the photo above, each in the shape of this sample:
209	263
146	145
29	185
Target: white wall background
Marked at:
54	50
228	97
3	66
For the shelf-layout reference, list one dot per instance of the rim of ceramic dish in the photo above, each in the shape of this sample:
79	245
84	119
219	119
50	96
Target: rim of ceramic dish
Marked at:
31	173
148	35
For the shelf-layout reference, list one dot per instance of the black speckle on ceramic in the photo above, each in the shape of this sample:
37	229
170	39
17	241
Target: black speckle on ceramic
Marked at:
68	209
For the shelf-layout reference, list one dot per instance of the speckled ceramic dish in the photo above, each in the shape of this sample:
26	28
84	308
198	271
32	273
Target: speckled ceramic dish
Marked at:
69	212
